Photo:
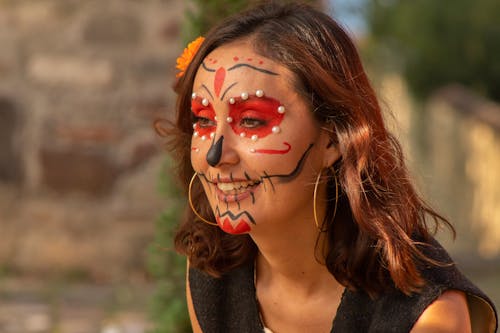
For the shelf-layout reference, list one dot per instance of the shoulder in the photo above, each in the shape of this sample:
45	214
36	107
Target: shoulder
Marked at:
451	302
447	300
448	313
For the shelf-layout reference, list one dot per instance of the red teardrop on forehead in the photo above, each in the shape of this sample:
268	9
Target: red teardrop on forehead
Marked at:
220	75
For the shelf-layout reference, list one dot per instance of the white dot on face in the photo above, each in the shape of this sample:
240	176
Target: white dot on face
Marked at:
195	134
197	150
215	118
194	126
255	137
259	93
252	150
203	138
281	109
276	129
229	120
212	135
242	134
244	96
204	102
193	95
232	101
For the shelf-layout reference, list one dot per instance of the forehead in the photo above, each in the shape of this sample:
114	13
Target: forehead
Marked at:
240	65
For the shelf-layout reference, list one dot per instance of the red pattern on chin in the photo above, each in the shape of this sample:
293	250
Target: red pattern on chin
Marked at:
235	228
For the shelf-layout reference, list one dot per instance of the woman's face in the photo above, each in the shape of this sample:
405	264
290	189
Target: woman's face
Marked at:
255	145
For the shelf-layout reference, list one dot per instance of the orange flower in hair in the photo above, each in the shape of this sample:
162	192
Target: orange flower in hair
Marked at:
187	56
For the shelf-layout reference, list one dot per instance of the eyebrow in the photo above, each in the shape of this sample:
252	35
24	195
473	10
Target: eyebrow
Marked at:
265	71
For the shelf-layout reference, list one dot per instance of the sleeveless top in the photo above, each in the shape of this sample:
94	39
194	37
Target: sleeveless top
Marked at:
228	304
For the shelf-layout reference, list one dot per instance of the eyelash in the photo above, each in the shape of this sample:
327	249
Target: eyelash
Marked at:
251	122
204	122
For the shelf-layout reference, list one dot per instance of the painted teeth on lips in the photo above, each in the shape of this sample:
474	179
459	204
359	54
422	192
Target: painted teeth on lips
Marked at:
234	187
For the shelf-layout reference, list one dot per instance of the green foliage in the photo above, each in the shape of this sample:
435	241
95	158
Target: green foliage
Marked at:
203	14
439	42
168	309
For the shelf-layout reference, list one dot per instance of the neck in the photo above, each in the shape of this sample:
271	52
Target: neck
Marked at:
292	261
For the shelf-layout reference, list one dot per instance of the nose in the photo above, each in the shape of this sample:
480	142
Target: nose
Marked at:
222	150
215	152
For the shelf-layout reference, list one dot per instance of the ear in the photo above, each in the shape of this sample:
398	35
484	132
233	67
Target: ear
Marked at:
331	153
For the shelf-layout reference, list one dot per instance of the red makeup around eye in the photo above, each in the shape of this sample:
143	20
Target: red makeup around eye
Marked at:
202	111
262	109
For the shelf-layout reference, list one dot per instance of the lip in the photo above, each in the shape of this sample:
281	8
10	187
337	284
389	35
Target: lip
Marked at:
235	190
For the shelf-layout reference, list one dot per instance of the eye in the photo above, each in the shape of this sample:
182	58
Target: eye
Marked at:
252	122
203	122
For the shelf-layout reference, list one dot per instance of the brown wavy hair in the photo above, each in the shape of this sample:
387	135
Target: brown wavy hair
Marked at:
376	238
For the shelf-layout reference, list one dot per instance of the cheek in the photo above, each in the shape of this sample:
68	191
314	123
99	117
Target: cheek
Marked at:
197	154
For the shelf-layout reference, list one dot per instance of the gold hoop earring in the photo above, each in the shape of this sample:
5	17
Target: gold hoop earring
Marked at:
315	195
191	202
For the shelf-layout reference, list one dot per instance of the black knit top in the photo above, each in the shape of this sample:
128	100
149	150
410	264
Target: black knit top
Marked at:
228	304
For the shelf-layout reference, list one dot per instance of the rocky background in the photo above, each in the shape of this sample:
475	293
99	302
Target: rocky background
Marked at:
80	84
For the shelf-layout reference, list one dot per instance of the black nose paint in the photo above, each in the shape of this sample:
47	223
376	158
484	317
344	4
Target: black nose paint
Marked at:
215	152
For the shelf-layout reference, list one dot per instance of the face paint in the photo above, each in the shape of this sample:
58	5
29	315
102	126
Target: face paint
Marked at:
234	223
220	75
291	176
215	152
231	189
204	117
257	172
254	116
273	151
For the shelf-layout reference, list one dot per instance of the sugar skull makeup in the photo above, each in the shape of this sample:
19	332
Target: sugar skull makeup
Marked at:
249	116
254	137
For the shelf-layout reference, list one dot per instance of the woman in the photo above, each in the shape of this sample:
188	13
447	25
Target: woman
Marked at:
303	217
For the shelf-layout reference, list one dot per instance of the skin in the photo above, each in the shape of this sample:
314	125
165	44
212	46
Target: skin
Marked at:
295	292
257	168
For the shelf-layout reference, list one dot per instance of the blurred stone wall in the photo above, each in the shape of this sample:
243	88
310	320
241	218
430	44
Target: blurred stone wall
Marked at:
464	155
80	85
452	144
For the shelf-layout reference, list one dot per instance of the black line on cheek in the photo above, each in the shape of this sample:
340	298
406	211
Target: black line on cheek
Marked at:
295	172
246	175
208	183
208	91
204	177
231	177
237	201
206	68
215	152
270	181
253	197
227	89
